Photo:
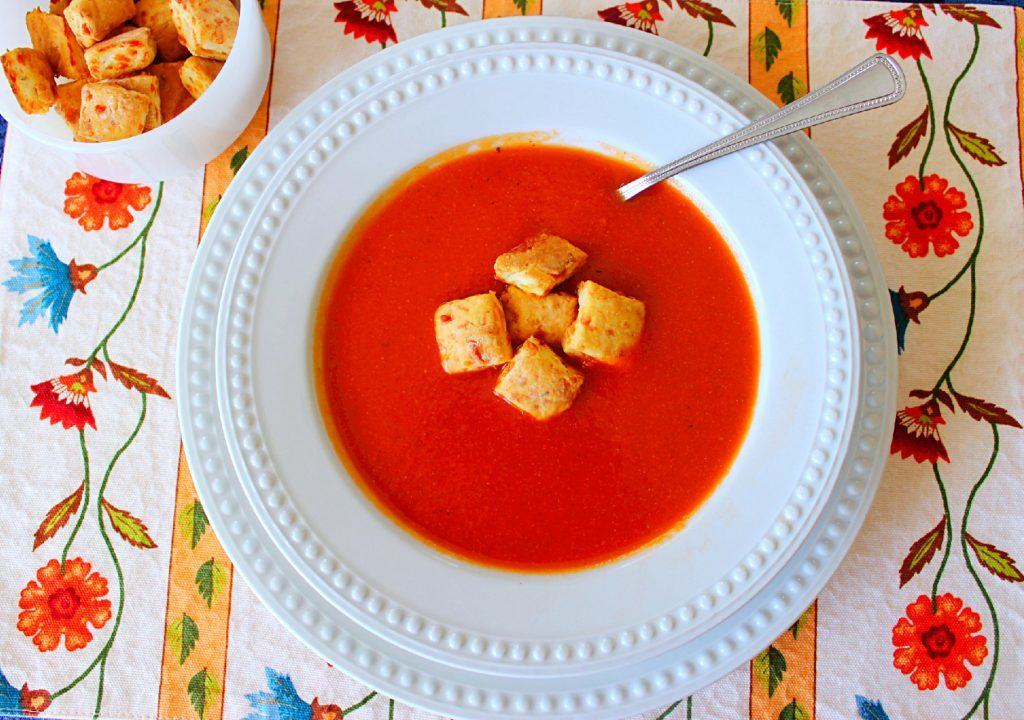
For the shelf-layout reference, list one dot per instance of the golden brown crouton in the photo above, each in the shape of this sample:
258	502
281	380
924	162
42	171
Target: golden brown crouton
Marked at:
607	326
174	98
198	73
69	102
538	382
121	54
471	334
57	7
111	112
206	27
156	15
92	20
546	317
539	264
53	38
149	86
31	79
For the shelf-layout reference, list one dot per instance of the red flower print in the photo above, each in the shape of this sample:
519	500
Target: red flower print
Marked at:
913	303
91	201
34	702
931	642
640	15
65	400
917	433
63	603
926	213
899	32
444	6
368	19
81	275
324	712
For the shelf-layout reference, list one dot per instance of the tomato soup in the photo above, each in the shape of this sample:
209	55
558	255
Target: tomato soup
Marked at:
645	442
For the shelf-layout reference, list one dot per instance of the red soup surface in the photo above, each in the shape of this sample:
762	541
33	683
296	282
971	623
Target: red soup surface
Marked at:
644	444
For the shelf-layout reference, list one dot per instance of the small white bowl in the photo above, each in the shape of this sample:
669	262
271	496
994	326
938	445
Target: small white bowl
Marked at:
182	145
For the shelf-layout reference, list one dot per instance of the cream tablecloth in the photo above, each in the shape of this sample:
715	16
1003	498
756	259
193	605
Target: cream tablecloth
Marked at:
147	618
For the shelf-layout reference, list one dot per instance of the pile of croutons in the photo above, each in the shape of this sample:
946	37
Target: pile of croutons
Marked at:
478	332
107	49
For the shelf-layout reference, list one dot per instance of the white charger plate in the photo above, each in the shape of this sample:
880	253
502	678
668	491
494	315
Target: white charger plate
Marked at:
455	637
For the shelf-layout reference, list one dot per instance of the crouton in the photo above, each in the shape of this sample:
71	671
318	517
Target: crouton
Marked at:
174	98
69	101
206	27
53	38
121	54
31	79
92	20
471	334
538	382
149	86
198	73
546	317
539	264
111	112
156	15
607	326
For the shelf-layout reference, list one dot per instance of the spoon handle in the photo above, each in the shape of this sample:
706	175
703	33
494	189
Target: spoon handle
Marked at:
874	83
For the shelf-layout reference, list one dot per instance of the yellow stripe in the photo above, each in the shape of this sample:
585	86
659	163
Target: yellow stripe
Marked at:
184	601
787	36
793	658
766	20
508	8
768	26
183	597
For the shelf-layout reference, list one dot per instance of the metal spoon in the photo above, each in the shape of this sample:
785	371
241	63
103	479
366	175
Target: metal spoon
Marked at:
874	83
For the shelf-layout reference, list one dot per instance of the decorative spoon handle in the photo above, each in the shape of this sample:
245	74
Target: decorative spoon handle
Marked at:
874	83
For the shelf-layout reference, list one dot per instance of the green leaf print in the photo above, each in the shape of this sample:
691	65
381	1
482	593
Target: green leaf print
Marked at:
182	635
202	689
193	523
210	580
766	47
769	667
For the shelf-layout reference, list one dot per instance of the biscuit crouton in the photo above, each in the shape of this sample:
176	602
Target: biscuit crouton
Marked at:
69	101
31	79
206	27
471	334
538	382
539	264
197	74
546	317
92	20
122	54
174	98
147	85
111	112
51	36
156	15
607	326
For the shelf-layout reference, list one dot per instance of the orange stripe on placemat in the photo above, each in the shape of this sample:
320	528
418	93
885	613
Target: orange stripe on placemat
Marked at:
784	675
508	8
783	678
1018	38
198	609
194	665
778	49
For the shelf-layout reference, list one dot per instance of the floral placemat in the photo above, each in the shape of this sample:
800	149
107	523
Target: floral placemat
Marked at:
117	601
